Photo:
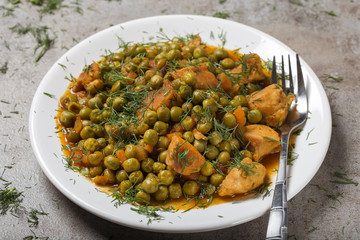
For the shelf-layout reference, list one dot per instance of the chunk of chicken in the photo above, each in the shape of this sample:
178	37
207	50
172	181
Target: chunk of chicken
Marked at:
243	179
263	140
273	102
204	78
89	79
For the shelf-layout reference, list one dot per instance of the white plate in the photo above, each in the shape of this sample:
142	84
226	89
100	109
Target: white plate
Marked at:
46	144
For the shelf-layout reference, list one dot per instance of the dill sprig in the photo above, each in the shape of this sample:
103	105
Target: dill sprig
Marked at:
328	76
222	15
249	169
10	199
33	218
263	189
41	35
343	179
4	68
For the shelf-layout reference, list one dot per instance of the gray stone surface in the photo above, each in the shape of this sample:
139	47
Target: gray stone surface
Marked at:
329	44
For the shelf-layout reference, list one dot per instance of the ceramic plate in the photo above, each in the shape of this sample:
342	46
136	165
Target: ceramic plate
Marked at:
310	147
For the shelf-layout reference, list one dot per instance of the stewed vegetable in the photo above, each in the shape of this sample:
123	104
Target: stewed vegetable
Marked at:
169	120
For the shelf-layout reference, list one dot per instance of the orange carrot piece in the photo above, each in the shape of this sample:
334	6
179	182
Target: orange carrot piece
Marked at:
240	116
120	154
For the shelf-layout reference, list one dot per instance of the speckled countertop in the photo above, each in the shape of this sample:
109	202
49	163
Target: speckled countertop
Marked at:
326	33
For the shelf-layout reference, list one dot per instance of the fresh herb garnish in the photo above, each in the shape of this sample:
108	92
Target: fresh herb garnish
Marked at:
223	15
343	179
4	67
33	218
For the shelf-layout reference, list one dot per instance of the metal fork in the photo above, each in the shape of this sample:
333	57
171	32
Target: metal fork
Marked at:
277	226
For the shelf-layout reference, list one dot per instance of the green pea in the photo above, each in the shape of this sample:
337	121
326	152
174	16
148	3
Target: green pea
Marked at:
187	106
216	179
185	91
99	131
229	120
173	54
176	114
156	81
212	152
95	171
131	164
67	119
203	178
161	127
121	175
254	116
150	185
150	117
147	164
175	191
158	166
124	185
199	52
142	197
163	142
189	78
109	149
227	63
162	156
136	177
73	136
95	102
224	157
165	177
67	99
96	158
220	54
190	188
85	113
198	96
118	103
118	85
161	194
210	104
234	143
87	132
188	123
102	142
241	99
177	83
246	153
110	174
130	151
74	107
151	137
188	136
96	116
235	103
142	128
111	162
207	169
91	145
215	138
204	126
198	110
163	114
200	145
224	101
225	146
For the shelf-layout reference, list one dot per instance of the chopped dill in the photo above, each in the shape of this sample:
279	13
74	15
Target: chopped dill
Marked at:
343	179
49	95
33	218
4	68
328	76
331	13
336	196
222	15
313	229
319	187
10	199
296	3
263	189
313	143
308	134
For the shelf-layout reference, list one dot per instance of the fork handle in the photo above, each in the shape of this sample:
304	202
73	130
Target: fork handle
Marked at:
277	226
